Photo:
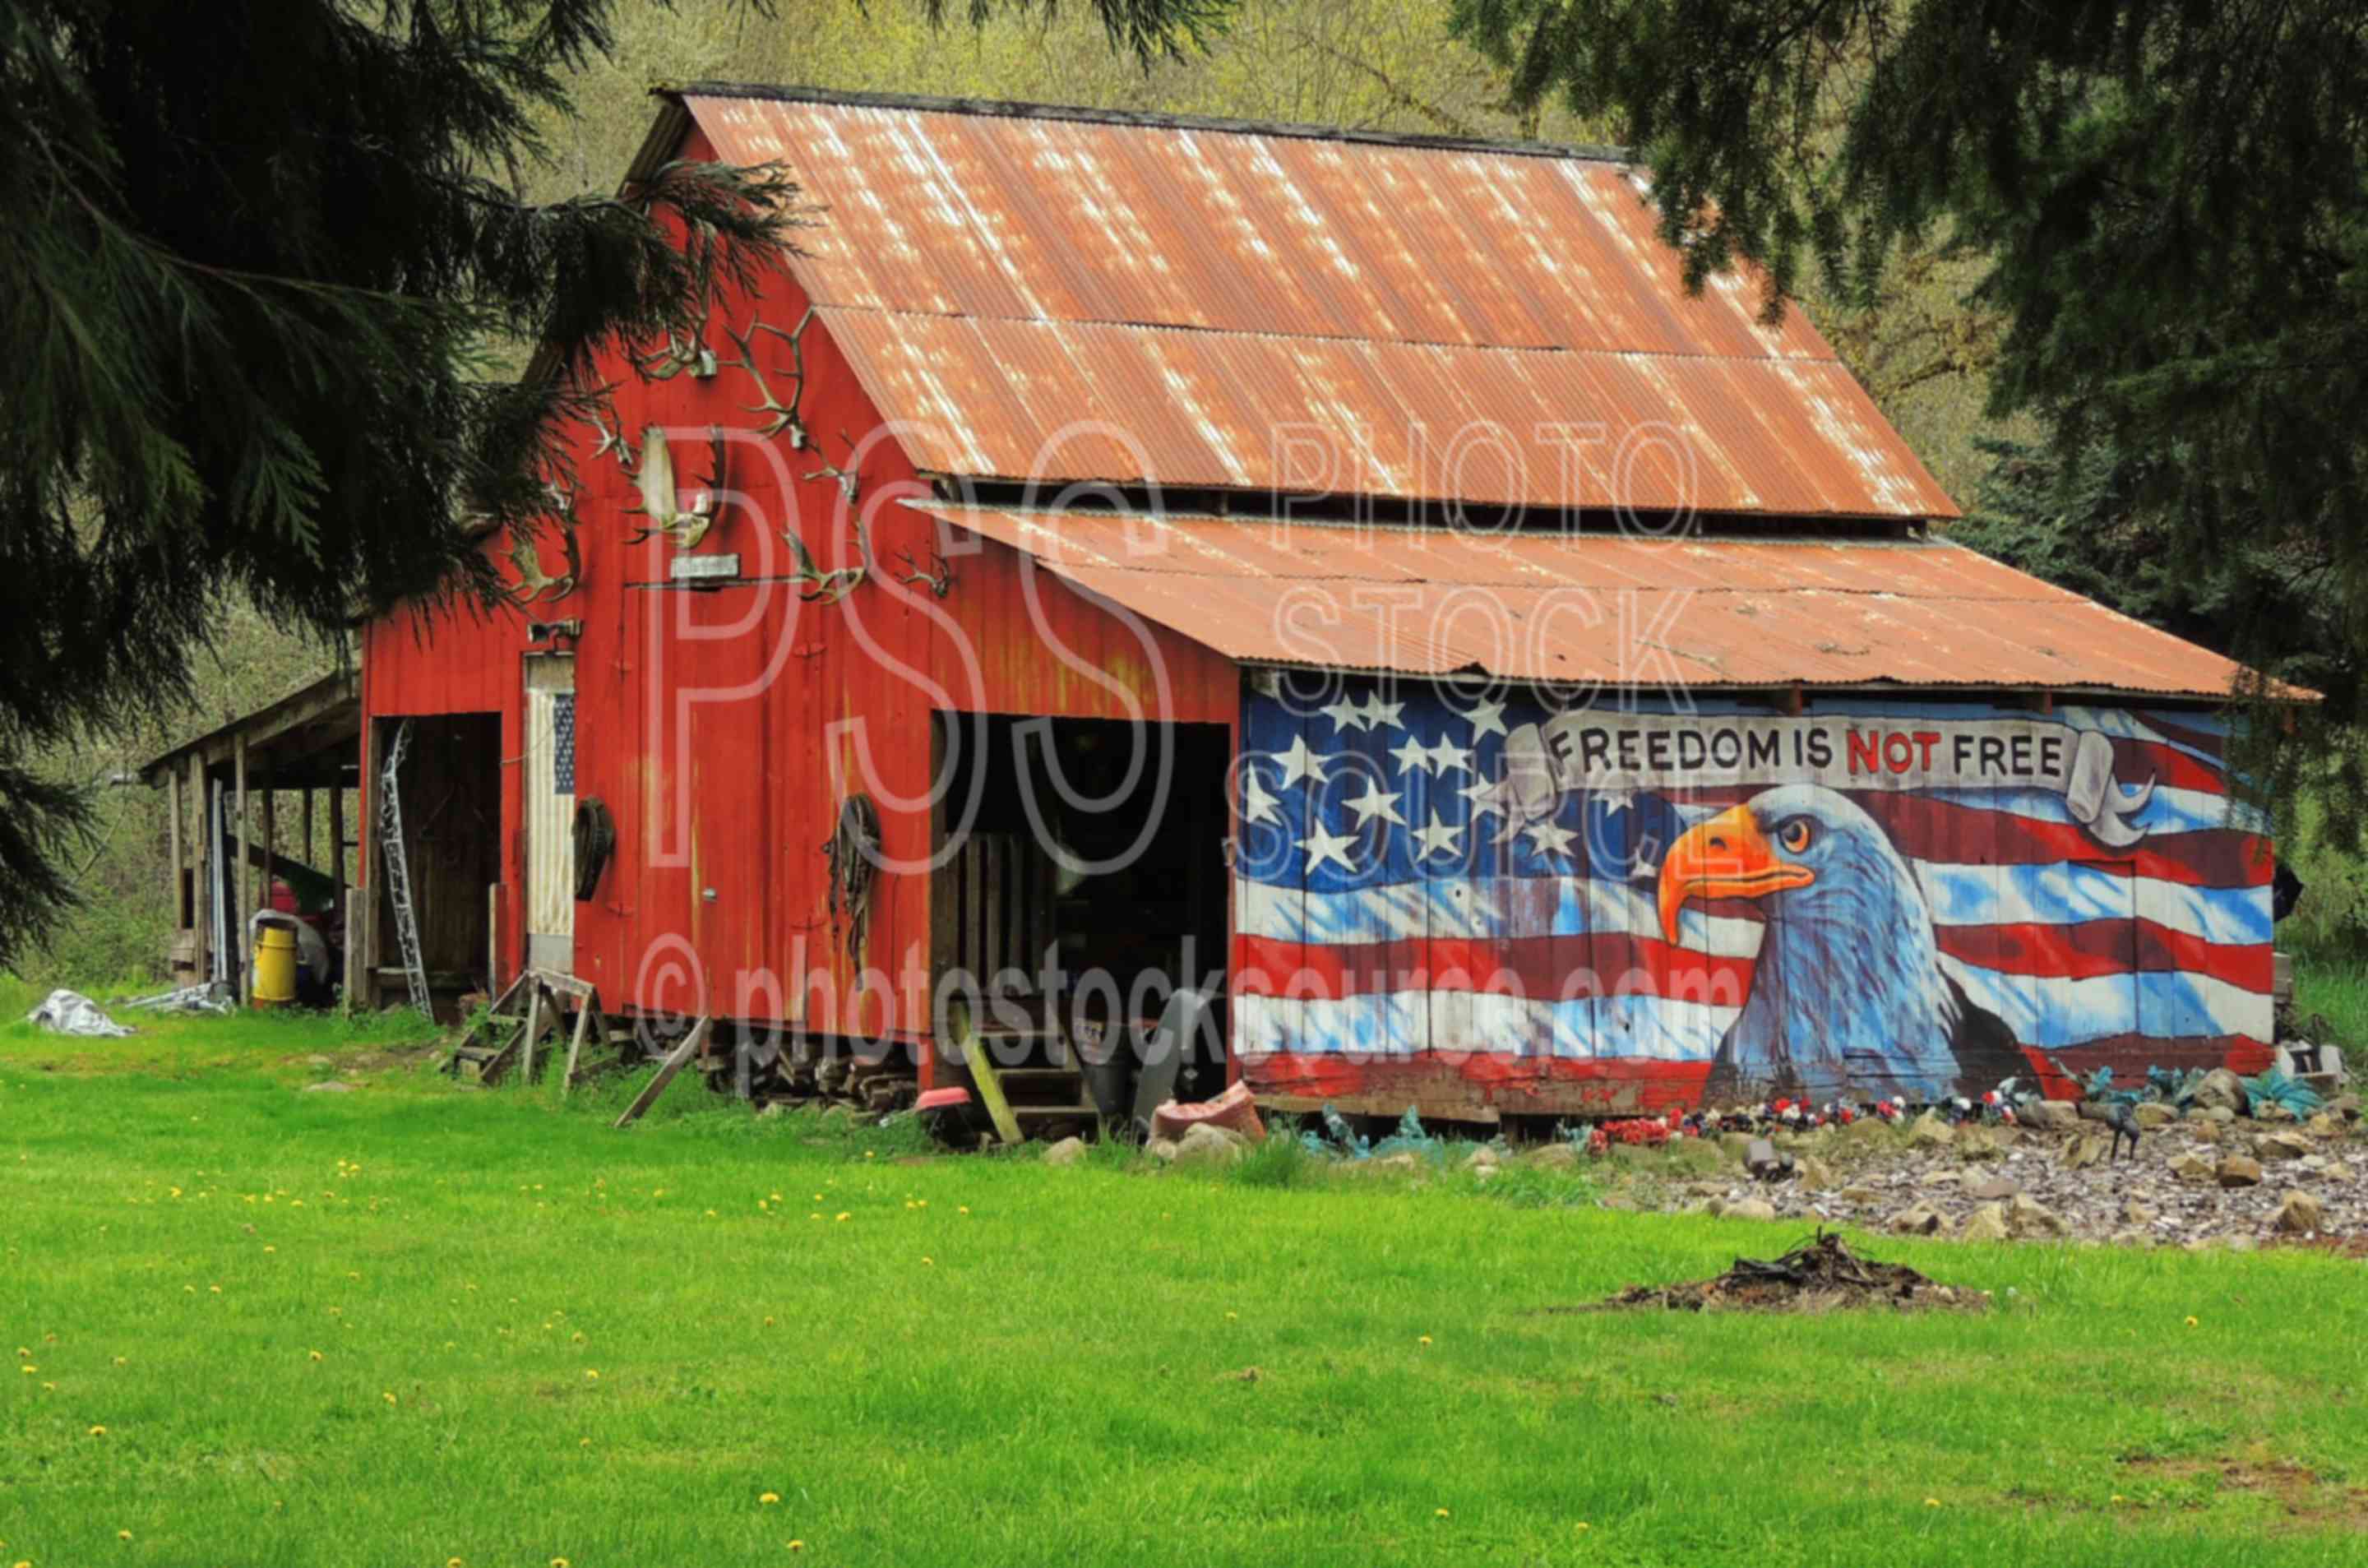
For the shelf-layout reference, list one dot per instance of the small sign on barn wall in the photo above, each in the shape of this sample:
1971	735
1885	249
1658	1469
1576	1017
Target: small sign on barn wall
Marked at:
704	568
1878	898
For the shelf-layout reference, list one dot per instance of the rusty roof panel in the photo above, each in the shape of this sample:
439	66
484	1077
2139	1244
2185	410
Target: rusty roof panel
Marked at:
1611	609
1000	275
1148	405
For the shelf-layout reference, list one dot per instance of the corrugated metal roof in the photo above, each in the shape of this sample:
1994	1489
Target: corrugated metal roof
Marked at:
1612	609
1221	297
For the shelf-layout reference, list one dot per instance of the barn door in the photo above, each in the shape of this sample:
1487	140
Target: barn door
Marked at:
550	811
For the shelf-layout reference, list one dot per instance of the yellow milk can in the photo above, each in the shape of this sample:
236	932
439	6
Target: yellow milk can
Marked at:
275	966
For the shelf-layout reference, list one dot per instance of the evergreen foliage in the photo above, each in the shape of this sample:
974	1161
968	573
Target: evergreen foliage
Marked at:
2167	199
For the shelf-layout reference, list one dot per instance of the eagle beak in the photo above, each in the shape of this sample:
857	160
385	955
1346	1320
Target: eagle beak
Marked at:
1727	856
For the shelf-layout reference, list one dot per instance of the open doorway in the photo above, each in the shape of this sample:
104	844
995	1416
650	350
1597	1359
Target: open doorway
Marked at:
450	794
1082	883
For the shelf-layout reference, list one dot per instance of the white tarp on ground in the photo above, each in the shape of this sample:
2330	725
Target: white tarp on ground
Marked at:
71	1012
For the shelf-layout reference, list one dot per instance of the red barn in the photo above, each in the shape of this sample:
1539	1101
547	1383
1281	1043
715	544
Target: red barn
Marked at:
1342	573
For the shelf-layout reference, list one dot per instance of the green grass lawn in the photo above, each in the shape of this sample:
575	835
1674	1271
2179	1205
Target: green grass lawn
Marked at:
413	1323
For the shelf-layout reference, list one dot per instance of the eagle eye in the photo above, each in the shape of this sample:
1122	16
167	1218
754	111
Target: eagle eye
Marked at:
1794	835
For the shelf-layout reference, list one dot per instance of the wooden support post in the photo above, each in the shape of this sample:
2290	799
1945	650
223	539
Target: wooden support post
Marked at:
588	1010
270	842
173	844
309	855
673	1063
237	937
492	937
355	904
201	892
338	849
533	1027
982	1074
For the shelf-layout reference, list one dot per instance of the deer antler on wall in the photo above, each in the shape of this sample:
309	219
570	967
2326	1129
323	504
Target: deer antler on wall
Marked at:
533	585
818	587
683	351
939	579
659	494
614	442
784	417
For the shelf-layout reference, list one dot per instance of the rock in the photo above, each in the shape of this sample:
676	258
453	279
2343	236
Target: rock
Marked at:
2027	1218
1161	1149
2299	1214
2221	1090
2085	1151
1404	1160
2281	1147
1860	1195
1922	1219
1979	1144
1942	1179
2152	1114
2048	1116
1067	1152
2220	1113
2239	1243
2192	1168
1554	1156
1815	1175
1206	1143
1987	1223
2131	1239
1762	1159
1996	1189
2271	1110
1485	1157
328	1088
1750	1208
2207	1130
2346	1106
2323	1126
1928	1132
2237	1170
2138	1213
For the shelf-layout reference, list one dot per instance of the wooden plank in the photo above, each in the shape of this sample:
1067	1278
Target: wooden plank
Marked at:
493	935
201	892
357	906
982	1074
337	852
673	1063
563	984
173	845
238	938
534	1024
585	1017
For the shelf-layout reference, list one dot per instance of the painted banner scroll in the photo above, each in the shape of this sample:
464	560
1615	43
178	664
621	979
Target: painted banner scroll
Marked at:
1655	908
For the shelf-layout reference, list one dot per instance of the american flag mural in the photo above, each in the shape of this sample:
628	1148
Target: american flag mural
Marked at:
1481	897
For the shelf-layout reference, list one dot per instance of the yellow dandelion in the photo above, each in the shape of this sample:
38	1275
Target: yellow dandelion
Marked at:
818	1197
1442	1513
1231	1316
124	1534
189	1289
710	1213
29	1369
2119	1498
559	1563
123	1360
814	1216
316	1355
388	1397
271	1249
769	1498
578	1336
213	1290
844	1216
1424	1340
792	1545
962	1208
1931	1502
929	1263
452	1562
98	1431
591	1376
2191	1322
768	1322
867	1153
353	1276
582	1443
1584	1527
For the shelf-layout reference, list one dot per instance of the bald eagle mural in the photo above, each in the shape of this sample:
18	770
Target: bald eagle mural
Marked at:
1848	993
1481	904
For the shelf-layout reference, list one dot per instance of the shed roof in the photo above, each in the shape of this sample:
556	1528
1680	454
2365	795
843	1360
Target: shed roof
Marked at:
1614	609
301	740
1064	296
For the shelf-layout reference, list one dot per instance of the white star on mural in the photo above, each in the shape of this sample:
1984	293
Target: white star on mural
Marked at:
1488	719
1551	838
1322	847
1412	755
1299	763
1486	795
1438	838
1378	712
1377	802
1345	715
1256	804
1614	801
1447	757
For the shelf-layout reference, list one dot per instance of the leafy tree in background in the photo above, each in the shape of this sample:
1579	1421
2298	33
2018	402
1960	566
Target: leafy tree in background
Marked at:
2167	199
259	259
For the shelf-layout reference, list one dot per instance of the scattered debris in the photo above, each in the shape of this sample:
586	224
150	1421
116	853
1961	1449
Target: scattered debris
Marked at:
1235	1110
71	1012
1819	1276
1339	1141
1067	1152
212	998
